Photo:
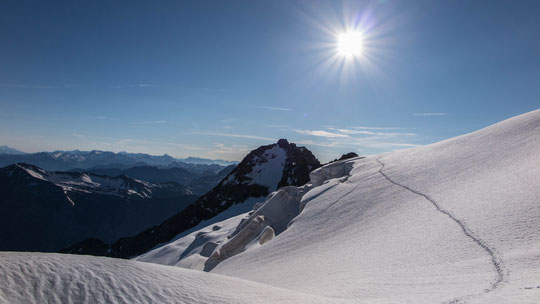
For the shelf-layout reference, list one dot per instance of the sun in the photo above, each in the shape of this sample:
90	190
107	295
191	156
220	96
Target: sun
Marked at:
350	44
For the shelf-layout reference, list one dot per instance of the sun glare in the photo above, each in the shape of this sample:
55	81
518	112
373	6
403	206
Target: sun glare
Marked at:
350	44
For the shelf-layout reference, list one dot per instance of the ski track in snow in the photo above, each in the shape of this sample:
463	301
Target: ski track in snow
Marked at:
496	259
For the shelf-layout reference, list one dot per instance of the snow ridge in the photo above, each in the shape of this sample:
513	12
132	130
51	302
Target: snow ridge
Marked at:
495	257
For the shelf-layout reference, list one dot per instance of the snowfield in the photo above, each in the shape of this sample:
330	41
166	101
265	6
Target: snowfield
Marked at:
457	221
453	222
62	278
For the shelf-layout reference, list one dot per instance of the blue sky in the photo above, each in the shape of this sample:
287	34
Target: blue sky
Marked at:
219	78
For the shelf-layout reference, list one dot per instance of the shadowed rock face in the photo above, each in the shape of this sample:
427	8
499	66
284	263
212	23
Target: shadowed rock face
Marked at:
300	162
348	155
236	187
345	157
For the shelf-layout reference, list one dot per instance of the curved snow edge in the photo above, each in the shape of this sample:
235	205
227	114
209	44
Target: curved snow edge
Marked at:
276	213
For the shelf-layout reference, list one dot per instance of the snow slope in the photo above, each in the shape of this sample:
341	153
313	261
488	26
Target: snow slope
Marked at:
456	221
56	278
190	249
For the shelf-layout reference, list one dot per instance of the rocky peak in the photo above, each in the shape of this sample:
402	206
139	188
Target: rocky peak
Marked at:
346	156
274	166
283	143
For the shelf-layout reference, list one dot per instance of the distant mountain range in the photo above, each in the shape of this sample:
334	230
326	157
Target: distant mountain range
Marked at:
59	198
44	210
205	161
68	160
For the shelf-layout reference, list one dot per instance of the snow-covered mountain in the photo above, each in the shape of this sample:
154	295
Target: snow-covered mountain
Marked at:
47	210
160	169
208	245
262	171
453	222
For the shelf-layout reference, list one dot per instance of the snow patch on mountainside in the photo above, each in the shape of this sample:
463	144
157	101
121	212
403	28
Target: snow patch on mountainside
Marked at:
265	169
269	168
36	173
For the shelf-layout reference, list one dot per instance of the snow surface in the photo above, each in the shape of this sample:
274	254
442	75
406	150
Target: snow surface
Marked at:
456	221
193	248
185	250
453	222
36	278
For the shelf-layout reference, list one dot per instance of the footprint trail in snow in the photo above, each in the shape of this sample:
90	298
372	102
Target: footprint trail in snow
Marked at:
496	259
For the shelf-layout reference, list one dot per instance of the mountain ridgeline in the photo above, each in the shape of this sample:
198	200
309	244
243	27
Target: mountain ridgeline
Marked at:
261	172
199	178
95	159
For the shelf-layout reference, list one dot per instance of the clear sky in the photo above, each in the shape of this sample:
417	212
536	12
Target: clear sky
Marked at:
219	78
